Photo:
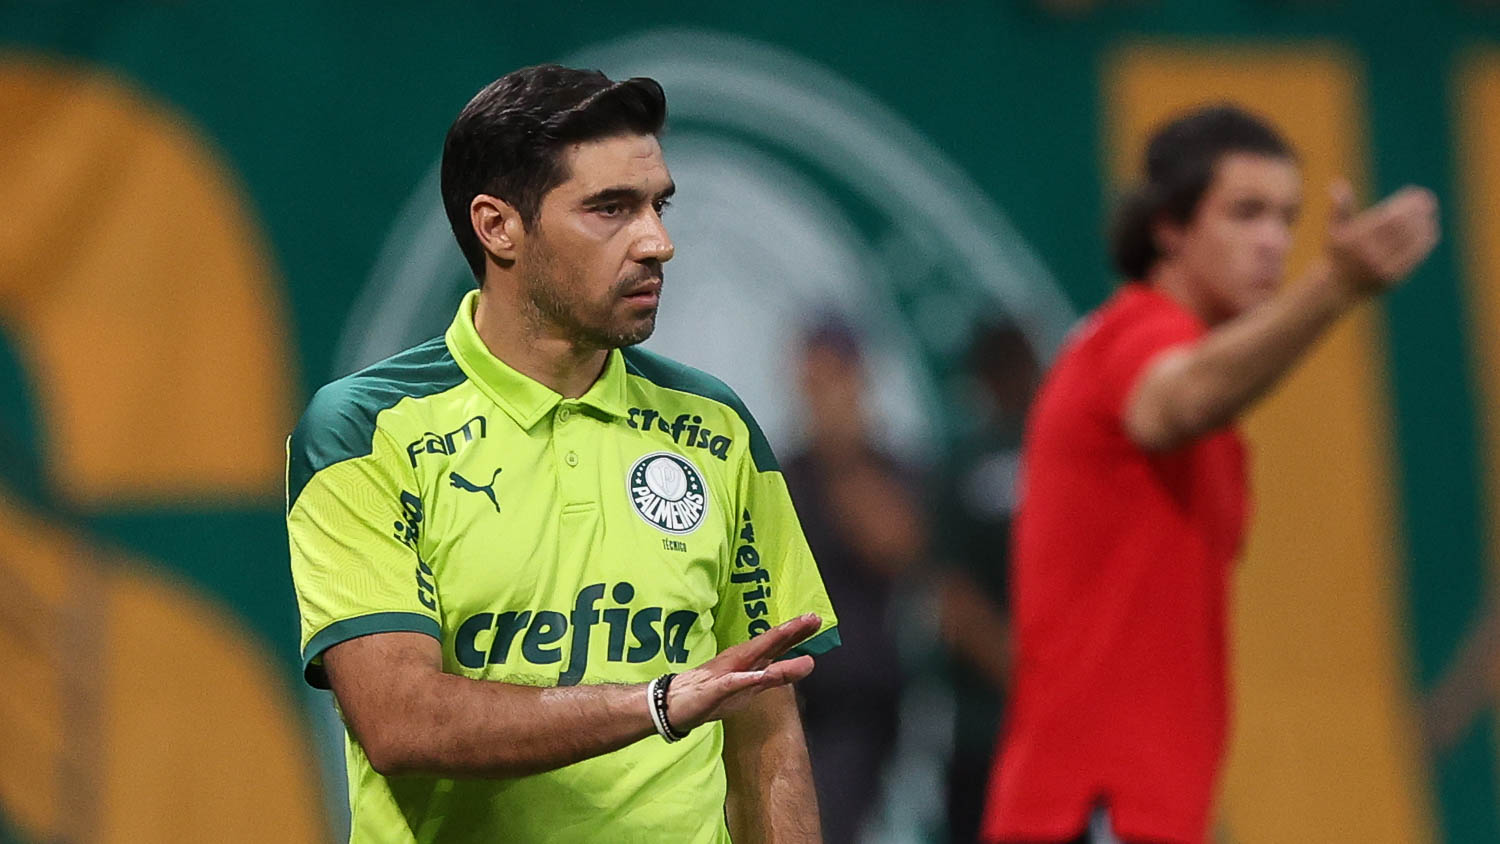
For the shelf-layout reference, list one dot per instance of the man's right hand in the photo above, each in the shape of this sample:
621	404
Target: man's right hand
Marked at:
411	717
726	683
1372	251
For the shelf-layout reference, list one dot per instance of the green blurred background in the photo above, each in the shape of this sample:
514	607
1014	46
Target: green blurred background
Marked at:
210	209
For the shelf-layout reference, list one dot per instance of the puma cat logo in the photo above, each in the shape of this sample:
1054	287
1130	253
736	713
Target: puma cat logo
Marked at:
460	482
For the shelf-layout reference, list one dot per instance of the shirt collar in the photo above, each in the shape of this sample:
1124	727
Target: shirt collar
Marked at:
523	399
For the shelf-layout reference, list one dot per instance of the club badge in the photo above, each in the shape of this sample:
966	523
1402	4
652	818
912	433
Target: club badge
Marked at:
668	492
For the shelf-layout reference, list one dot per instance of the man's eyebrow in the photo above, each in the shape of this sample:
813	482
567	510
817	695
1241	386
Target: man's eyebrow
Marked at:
615	194
623	193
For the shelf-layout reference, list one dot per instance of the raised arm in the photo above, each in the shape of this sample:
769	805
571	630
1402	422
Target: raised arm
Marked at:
410	717
1193	389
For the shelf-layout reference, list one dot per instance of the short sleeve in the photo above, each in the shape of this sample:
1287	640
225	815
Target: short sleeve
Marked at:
354	527
771	576
1125	358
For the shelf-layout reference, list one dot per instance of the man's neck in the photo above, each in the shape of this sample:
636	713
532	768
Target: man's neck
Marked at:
1170	280
540	354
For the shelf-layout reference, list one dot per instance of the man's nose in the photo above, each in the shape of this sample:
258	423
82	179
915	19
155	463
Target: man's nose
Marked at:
653	243
1277	238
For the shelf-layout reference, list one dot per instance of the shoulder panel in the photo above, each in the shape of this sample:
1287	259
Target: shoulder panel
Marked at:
339	423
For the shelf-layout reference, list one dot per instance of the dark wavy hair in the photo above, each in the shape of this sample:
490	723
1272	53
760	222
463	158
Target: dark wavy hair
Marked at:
1180	162
508	141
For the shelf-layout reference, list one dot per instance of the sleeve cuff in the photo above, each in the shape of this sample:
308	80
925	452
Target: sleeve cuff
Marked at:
362	625
819	643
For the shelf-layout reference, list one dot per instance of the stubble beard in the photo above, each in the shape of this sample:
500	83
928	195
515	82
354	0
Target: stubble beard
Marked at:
553	300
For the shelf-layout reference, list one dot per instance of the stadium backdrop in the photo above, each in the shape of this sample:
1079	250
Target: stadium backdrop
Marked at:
212	208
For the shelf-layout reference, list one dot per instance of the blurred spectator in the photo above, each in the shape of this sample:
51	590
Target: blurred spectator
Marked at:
974	521
862	513
859	511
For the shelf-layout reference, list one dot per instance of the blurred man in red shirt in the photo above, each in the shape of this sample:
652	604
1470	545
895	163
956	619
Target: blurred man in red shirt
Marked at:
1134	481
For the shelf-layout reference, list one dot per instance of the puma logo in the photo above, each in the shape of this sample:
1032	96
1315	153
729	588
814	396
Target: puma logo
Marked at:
460	482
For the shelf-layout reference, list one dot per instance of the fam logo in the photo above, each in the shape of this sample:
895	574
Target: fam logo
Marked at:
449	443
668	492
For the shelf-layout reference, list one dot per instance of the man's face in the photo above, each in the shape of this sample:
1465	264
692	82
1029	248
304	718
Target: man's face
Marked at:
1235	247
832	384
591	265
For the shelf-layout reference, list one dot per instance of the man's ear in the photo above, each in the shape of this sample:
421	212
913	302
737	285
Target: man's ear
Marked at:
1167	236
498	226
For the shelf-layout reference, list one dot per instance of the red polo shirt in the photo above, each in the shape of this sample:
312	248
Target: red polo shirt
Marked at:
1122	562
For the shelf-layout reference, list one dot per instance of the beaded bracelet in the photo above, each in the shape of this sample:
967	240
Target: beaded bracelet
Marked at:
656	698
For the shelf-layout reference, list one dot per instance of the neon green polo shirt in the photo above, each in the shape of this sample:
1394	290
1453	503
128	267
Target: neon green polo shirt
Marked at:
641	528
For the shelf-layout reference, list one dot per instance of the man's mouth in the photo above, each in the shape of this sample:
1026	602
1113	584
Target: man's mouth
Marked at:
647	292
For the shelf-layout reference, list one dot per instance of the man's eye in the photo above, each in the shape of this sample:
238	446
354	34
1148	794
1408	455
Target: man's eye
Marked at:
613	209
661	206
1248	210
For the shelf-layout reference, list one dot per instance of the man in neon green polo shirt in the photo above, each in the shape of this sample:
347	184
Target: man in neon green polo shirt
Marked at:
556	584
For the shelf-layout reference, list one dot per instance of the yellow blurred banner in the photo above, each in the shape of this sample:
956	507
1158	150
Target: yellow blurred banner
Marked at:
141	297
143	307
1477	122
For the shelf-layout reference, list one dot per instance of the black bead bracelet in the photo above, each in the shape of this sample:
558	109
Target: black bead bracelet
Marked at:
656	693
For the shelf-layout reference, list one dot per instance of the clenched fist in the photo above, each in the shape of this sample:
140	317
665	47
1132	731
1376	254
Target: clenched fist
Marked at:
1374	250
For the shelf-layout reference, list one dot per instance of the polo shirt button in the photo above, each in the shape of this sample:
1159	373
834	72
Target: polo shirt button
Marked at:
564	414
571	458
